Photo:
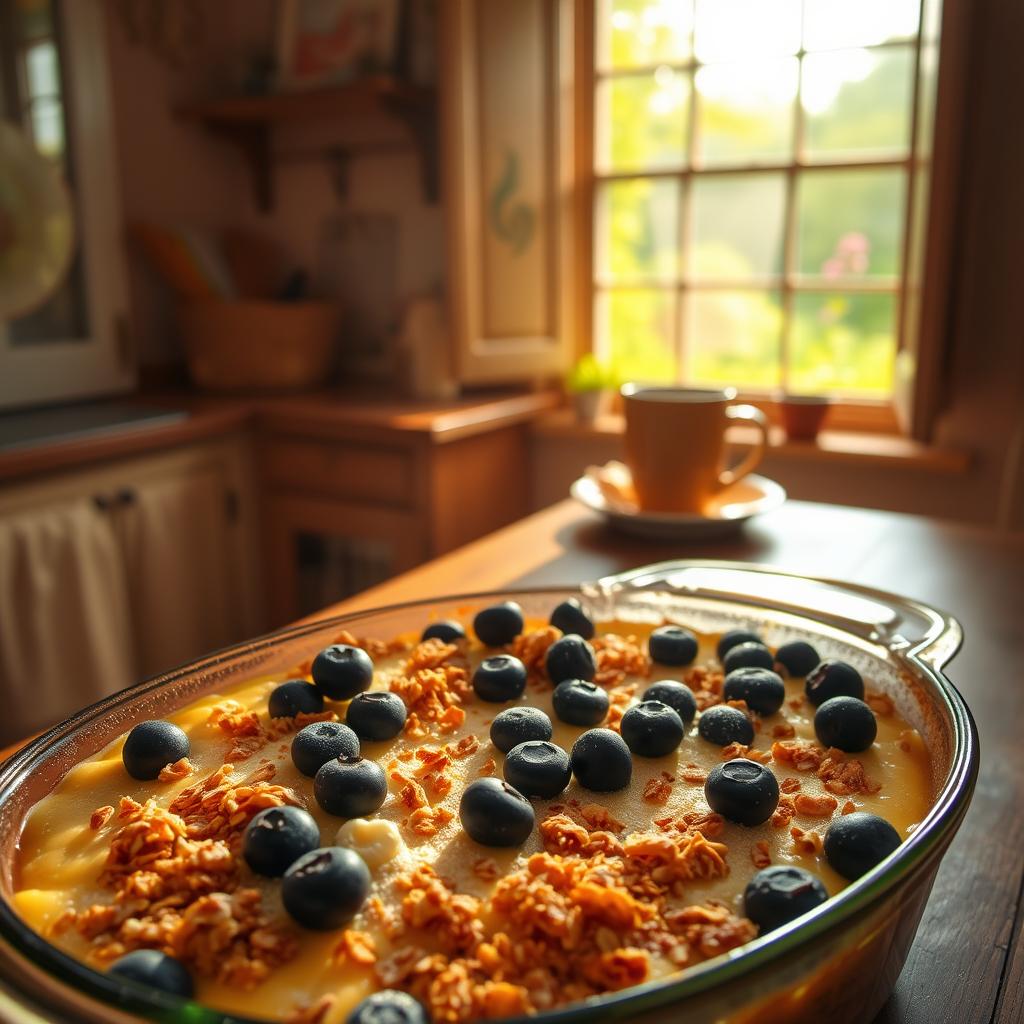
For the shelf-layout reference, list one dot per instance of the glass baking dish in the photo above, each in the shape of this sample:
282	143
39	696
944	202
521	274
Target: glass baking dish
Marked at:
839	962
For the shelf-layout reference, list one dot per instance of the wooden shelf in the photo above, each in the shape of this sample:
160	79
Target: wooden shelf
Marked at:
248	122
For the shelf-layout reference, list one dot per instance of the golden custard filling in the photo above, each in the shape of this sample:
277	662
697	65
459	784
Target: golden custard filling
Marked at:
609	889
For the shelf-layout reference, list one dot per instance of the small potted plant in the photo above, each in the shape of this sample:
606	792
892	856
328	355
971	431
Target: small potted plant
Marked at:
591	384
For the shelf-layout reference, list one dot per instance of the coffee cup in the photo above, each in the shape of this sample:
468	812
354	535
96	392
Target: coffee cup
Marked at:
676	441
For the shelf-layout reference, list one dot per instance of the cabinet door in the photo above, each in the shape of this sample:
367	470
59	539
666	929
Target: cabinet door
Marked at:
507	96
65	614
322	551
175	535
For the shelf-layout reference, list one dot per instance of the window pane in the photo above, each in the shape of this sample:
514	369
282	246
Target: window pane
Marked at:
637	233
745	111
844	343
857	101
42	70
927	94
830	24
729	29
637	33
640	121
738	225
635	332
850	223
733	338
34	18
48	127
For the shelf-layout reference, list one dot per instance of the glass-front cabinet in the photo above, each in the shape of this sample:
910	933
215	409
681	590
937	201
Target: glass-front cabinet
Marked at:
67	339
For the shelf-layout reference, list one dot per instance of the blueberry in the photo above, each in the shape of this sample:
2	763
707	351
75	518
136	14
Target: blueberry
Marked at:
295	697
833	679
350	787
389	1006
723	725
316	744
277	837
742	791
447	631
728	640
517	725
676	695
153	969
762	689
495	814
797	658
855	843
601	761
578	702
747	655
341	671
499	678
151	747
376	715
652	729
325	888
672	645
779	894
499	624
570	617
846	723
538	768
570	657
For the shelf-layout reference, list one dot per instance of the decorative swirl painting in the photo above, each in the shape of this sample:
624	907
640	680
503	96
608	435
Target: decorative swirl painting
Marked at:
512	221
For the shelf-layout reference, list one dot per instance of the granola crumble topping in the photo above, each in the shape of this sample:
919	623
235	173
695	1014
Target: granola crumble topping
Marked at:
618	657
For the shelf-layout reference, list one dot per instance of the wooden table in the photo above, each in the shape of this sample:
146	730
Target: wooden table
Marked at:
967	964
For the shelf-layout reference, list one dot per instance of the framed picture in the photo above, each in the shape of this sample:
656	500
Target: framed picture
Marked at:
327	42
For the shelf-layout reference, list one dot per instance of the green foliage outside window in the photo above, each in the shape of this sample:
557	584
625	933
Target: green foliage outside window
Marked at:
700	256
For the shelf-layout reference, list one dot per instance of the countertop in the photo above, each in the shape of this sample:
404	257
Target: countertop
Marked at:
323	414
967	962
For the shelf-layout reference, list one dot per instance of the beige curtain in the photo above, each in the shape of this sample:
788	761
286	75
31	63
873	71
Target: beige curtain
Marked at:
65	622
175	541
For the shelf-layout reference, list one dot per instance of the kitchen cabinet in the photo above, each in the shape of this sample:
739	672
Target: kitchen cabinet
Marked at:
511	160
120	572
349	503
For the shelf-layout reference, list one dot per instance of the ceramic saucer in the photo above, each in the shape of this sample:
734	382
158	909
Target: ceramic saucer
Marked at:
752	496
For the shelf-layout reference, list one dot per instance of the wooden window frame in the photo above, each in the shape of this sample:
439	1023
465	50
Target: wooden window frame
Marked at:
915	404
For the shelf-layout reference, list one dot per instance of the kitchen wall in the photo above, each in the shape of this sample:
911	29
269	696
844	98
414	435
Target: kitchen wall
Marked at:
174	172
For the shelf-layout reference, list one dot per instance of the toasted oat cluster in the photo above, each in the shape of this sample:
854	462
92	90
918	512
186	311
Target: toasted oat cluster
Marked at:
492	819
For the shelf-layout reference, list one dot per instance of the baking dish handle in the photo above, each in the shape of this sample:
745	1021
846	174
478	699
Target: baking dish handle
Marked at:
898	623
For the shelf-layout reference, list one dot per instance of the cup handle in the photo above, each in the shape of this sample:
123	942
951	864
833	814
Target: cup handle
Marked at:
750	461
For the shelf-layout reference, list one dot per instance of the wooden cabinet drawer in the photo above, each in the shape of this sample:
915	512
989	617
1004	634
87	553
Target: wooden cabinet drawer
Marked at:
367	472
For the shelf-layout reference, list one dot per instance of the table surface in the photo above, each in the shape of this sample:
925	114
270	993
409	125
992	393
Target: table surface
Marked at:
967	963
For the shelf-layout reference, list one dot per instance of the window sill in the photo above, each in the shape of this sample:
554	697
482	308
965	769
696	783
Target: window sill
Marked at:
832	446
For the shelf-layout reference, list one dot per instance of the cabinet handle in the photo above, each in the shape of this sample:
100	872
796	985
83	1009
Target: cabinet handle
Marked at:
102	502
126	496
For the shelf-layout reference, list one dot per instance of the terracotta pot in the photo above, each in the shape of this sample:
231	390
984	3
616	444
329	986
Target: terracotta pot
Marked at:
802	416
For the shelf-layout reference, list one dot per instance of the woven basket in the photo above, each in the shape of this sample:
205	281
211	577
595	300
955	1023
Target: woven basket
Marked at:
258	345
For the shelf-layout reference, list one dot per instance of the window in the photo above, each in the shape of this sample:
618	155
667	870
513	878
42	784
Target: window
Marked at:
32	98
54	88
758	181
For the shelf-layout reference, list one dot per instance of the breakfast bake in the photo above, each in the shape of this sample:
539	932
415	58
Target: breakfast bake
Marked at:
489	819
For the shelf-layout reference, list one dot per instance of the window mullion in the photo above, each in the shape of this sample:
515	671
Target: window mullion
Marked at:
912	184
682	340
789	238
